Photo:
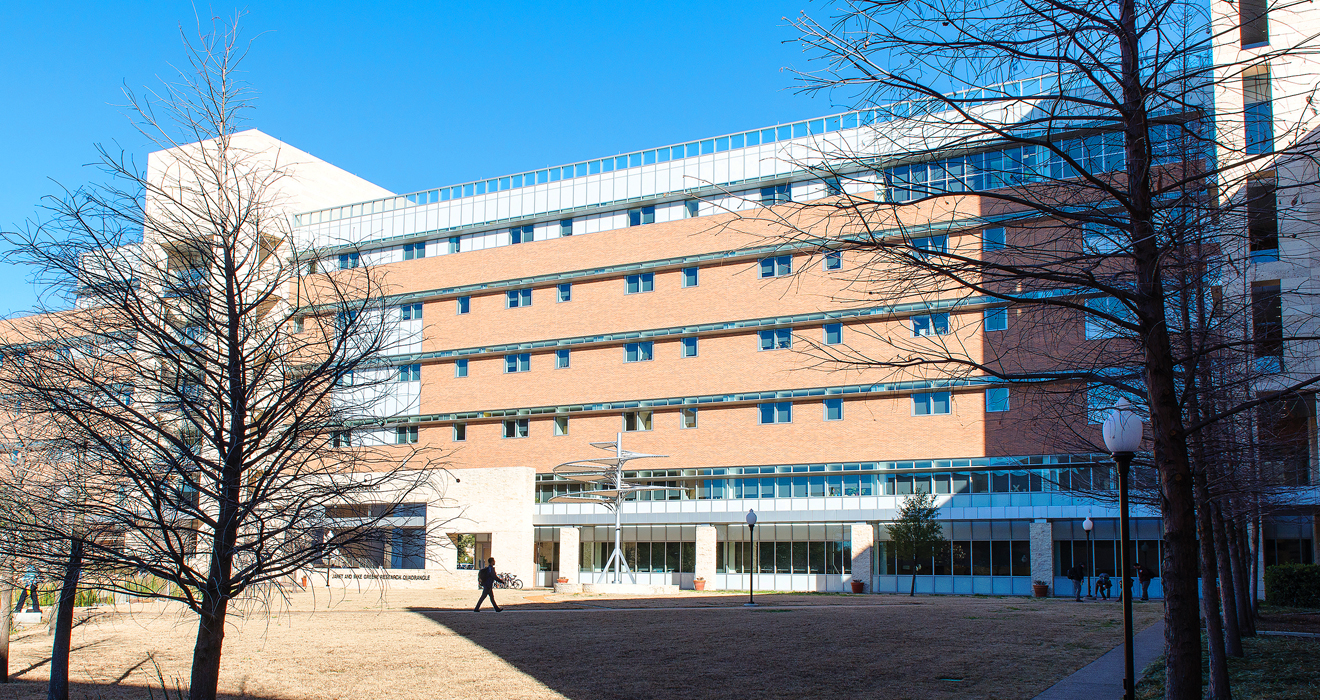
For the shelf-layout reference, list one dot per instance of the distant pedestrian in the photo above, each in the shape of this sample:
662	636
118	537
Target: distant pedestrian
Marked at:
1144	575
486	579
1076	574
1103	585
28	582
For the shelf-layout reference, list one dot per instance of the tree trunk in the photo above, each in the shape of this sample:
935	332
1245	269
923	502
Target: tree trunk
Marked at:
1228	587
6	626
1246	625
59	654
206	652
1214	631
913	593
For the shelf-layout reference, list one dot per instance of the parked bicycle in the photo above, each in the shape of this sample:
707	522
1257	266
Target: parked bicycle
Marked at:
507	580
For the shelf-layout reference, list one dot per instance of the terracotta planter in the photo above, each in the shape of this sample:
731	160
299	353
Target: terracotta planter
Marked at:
561	579
1040	590
858	586
699	584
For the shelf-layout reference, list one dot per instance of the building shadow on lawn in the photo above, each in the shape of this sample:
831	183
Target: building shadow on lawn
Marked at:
664	648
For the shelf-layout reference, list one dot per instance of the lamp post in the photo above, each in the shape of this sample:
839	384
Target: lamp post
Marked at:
751	589
1089	525
1122	432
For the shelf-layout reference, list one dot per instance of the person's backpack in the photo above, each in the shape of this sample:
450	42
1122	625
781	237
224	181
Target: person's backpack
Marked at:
485	576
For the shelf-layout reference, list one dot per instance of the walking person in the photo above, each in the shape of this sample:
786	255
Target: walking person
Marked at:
1076	574
1144	575
28	582
1103	584
486	579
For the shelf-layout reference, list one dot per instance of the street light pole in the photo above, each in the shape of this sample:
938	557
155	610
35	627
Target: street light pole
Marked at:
1123	432
751	589
1089	525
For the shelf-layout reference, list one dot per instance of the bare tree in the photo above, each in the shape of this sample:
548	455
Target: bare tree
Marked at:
213	407
1077	167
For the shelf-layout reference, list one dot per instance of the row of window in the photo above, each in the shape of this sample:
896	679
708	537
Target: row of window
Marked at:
769	413
822	485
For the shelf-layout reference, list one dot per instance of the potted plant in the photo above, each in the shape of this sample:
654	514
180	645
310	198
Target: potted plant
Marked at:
699	583
562	579
858	586
1040	589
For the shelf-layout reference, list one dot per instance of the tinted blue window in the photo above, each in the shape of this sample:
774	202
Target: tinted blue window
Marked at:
689	277
561	358
996	319
996	399
736	141
833	260
565	292
722	144
833	409
460	368
689	347
992	239
833	333
464	304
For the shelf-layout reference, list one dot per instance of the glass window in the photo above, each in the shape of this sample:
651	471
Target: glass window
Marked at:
691	208
634	421
833	260
565	292
931	403
996	319
1257	100
931	244
932	324
405	434
689	347
641	216
516	428
636	284
638	352
689	277
520	362
460	368
561	358
688	417
515	298
410	373
777	339
410	312
777	266
833	409
776	194
463	304
777	412
833	333
414	250
453	244
992	239
1253	20
565	227
561	425
996	399
832	187
521	234
460	432
348	261
1263	219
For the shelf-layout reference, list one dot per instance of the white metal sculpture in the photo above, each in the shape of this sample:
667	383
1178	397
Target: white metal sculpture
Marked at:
608	473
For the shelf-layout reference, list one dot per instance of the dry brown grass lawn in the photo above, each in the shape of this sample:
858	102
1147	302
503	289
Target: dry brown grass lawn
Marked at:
428	644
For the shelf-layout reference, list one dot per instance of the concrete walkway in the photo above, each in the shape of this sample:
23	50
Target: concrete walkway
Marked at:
1102	679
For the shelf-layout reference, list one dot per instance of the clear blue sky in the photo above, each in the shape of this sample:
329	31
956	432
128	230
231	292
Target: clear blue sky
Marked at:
409	95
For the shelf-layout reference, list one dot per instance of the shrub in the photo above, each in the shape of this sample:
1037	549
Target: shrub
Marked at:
1293	585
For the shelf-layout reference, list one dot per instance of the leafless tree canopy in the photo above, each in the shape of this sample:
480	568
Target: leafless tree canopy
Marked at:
186	391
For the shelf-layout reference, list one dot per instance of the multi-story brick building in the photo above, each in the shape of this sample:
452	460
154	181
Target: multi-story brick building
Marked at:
646	294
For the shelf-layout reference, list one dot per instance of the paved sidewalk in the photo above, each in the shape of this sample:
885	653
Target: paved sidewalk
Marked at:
1102	679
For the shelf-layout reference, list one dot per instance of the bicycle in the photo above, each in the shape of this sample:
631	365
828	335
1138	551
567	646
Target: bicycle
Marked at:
507	580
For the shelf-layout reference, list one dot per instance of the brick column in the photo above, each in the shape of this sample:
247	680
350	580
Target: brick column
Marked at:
863	548
705	567
1042	552
569	537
